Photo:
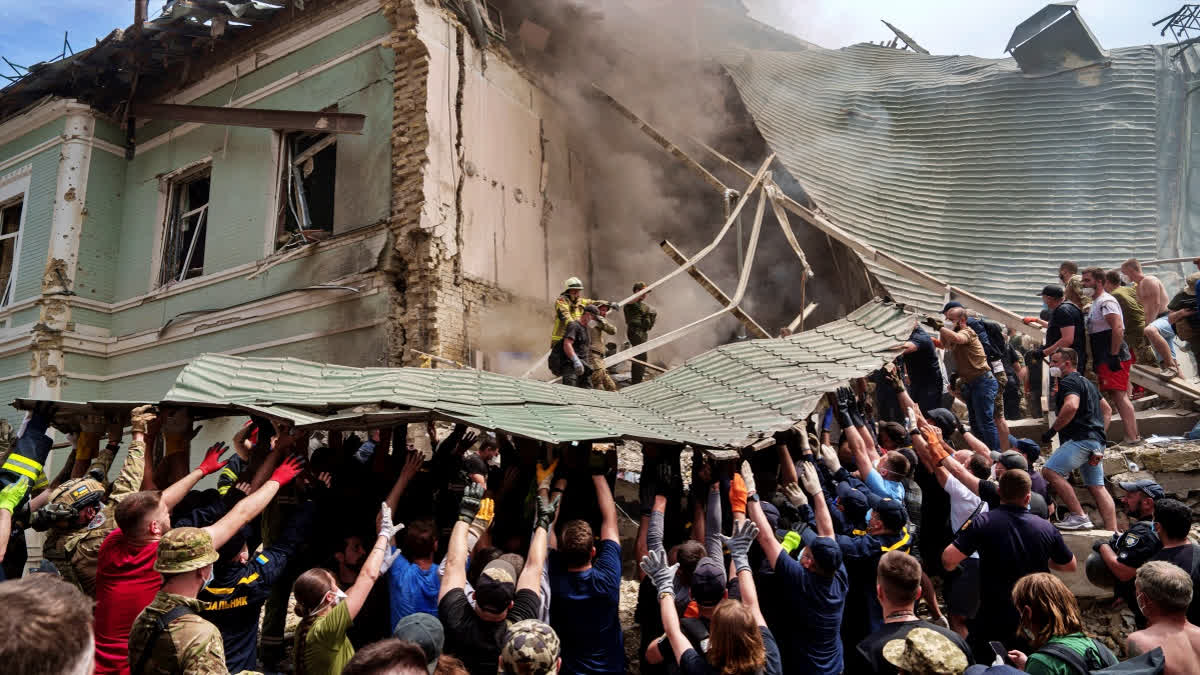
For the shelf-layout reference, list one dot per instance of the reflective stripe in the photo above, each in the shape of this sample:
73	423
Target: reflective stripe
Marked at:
18	469
218	591
903	542
248	580
41	481
20	464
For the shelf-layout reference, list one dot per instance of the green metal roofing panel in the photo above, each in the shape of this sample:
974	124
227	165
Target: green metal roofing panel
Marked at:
726	397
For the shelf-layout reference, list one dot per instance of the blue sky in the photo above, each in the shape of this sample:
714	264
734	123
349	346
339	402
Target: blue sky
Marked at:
32	30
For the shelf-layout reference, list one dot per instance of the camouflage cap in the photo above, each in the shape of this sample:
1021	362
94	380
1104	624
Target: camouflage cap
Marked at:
184	549
639	286
530	646
925	652
78	493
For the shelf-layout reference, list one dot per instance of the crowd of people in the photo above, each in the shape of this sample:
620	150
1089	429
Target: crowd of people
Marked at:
881	535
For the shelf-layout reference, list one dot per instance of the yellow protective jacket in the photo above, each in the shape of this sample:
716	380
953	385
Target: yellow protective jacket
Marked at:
566	311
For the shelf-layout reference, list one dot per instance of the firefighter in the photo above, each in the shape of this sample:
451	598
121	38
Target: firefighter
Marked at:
569	307
26	461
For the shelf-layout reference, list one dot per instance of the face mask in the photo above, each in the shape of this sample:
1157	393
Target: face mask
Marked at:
1089	292
1045	307
948	324
208	579
1055	371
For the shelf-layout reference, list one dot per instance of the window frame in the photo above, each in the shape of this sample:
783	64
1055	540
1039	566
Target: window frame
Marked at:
277	219
14	186
167	184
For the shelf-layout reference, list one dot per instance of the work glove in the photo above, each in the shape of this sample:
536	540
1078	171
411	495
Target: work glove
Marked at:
841	407
388	559
212	459
577	364
1113	361
387	529
287	470
469	506
748	478
1048	435
809	479
737	494
483	518
795	495
12	494
893	375
829	458
744	534
141	417
654	564
1030	320
791	541
545	511
545	474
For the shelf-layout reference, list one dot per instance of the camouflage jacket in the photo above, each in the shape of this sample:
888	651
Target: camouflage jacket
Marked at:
596	331
188	645
566	311
639	319
74	552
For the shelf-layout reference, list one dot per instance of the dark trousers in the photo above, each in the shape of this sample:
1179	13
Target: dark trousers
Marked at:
636	370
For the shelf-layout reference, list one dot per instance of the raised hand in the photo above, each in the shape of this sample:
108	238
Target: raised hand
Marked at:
545	511
141	417
12	493
654	564
744	534
212	459
809	479
289	469
795	495
545	474
748	478
829	458
469	506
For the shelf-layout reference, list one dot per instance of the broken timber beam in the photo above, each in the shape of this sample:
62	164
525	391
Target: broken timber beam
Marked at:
798	322
707	284
662	141
286	120
912	44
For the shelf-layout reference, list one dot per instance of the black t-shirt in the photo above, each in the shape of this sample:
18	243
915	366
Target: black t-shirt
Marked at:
868	658
580	340
475	641
989	492
1184	557
474	464
1065	315
922	365
1088	423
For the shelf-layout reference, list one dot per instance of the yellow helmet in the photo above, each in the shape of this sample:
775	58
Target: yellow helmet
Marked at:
573	284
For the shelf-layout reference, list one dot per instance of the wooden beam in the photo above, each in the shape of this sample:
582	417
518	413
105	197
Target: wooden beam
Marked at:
662	141
286	120
798	322
719	295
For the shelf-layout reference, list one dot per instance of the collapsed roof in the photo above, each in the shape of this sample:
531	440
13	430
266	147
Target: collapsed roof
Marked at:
728	397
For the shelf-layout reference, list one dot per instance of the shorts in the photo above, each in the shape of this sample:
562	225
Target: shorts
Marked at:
1113	380
1167	331
962	591
1074	455
998	403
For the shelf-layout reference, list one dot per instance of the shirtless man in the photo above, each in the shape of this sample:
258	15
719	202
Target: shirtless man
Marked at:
1163	592
1153	297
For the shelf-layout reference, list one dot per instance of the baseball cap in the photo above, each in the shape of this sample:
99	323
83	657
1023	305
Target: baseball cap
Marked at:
825	551
708	582
184	549
496	587
951	305
943	419
853	501
1152	489
1011	459
591	309
530	647
927	652
425	631
1052	290
891	512
1029	448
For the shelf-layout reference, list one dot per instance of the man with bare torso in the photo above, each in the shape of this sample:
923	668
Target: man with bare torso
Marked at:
1163	592
1153	297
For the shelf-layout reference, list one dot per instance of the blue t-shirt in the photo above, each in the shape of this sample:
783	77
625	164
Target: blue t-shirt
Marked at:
884	488
922	365
411	589
813	638
583	612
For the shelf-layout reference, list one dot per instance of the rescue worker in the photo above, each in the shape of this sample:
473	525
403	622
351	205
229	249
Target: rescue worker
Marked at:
639	321
887	530
600	378
80	515
569	307
1125	551
170	636
25	461
566	357
243	444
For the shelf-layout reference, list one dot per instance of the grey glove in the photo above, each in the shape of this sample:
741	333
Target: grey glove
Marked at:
829	458
386	529
744	534
808	478
654	564
795	495
469	506
578	365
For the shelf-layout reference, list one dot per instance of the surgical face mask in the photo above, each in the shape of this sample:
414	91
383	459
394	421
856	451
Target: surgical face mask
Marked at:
208	579
1055	371
948	324
1089	292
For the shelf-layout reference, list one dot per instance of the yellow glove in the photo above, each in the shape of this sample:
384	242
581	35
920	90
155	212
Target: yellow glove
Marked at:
544	475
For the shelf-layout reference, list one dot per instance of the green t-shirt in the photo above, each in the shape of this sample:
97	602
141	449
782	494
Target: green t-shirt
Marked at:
1043	664
327	650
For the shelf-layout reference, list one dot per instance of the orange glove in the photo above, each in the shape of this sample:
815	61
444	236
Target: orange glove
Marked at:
937	343
737	494
1030	320
937	449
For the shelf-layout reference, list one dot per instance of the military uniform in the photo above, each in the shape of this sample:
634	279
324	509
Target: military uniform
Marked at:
75	552
639	321
600	377
169	636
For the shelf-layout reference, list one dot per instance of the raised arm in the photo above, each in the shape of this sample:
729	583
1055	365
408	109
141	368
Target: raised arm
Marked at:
412	465
662	575
252	505
212	463
608	508
454	566
356	595
812	484
744	534
10	496
531	573
712	523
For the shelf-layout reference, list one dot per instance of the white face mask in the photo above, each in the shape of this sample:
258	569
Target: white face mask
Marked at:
1089	292
208	579
1055	371
948	324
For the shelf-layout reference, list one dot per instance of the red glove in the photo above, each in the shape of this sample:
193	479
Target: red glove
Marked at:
1030	320
737	494
288	470
212	459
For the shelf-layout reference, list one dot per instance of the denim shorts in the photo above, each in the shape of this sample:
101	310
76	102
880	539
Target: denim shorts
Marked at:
1167	331
1074	455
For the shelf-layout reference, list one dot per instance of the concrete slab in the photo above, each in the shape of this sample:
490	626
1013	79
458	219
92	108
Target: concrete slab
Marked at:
1080	543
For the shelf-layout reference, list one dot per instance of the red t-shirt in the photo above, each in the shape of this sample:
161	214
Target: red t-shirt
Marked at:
125	584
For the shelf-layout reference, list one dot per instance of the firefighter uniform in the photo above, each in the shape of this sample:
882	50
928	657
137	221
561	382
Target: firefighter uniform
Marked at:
24	460
231	473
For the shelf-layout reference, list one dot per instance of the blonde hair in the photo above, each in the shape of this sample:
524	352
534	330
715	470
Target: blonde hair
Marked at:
1054	612
1168	586
735	644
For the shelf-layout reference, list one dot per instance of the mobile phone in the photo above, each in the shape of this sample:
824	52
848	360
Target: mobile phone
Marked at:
1002	653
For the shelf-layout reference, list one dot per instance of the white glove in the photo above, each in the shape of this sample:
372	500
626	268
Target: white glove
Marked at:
388	559
578	365
748	478
795	495
829	458
386	528
809	479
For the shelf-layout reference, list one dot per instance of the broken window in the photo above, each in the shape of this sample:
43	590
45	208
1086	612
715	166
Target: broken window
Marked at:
185	226
307	167
10	230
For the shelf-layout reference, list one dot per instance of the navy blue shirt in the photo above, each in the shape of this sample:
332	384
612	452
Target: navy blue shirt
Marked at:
813	636
583	611
863	614
924	375
693	663
1011	542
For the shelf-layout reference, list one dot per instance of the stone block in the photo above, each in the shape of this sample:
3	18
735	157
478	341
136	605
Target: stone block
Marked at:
1080	543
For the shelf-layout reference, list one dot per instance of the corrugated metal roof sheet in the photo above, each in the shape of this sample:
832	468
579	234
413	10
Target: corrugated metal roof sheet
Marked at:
967	169
726	397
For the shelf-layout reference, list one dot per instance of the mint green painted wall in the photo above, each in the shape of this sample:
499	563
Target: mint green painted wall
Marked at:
35	236
32	139
100	239
9	390
82	316
27	315
107	131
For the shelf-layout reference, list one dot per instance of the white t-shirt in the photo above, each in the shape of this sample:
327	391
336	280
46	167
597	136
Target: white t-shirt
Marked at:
962	504
1102	306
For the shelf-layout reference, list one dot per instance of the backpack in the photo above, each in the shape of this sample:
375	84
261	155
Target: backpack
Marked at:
1099	659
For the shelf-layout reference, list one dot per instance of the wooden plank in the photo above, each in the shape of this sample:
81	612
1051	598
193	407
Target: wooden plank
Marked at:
287	120
719	295
314	149
1176	388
